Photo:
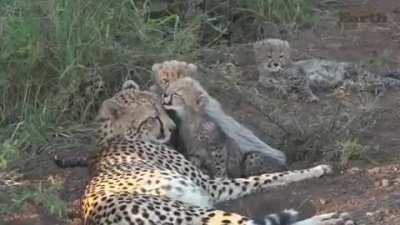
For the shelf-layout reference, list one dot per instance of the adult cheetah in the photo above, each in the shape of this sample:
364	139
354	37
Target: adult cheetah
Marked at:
136	179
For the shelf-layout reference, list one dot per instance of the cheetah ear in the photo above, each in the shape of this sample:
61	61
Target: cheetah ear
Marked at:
130	84
111	109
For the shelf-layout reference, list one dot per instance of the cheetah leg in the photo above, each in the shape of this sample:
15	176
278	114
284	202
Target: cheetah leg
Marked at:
220	163
223	189
149	209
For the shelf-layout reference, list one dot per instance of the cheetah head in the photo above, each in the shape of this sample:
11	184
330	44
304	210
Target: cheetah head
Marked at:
135	115
169	71
185	95
272	55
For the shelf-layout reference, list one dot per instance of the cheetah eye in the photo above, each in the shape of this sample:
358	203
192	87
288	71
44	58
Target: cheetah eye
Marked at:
270	56
281	56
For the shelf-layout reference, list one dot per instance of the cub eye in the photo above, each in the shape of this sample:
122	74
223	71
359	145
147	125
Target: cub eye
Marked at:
281	56
270	56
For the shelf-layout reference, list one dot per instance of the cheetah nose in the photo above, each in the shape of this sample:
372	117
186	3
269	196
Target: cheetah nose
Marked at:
276	64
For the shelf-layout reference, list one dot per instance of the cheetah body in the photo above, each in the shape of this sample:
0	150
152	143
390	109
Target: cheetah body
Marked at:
136	179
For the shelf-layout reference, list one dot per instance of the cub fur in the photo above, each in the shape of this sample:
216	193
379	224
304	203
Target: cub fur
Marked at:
222	146
279	74
169	71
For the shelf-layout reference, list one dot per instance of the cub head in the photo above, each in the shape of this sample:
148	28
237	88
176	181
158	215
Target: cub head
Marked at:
169	71
135	115
272	55
185	95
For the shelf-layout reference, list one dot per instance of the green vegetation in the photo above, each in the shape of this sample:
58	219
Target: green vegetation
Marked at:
349	150
45	195
51	52
293	13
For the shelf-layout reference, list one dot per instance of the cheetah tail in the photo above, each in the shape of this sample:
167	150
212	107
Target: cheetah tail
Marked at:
285	217
68	162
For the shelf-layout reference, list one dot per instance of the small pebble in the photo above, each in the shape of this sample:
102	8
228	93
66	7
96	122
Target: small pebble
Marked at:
374	170
385	183
323	201
354	170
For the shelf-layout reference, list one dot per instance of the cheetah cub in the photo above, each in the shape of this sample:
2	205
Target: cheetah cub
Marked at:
272	55
169	71
211	139
228	148
277	72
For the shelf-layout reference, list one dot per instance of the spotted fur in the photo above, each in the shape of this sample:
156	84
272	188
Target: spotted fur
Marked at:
169	71
305	78
200	113
136	179
272	55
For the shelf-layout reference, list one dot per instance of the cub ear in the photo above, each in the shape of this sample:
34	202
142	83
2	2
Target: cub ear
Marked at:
111	109
286	44
156	71
156	67
192	68
130	84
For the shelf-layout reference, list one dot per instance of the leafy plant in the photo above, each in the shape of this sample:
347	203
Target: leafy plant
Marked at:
39	194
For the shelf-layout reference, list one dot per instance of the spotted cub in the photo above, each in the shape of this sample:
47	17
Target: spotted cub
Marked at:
169	71
137	179
277	73
220	145
272	55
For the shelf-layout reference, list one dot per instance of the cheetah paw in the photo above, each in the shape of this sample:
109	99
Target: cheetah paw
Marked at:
323	170
328	219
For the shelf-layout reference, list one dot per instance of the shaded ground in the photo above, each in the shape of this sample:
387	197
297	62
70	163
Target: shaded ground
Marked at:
372	196
371	193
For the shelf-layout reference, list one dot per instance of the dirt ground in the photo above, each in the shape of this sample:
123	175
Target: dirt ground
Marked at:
370	193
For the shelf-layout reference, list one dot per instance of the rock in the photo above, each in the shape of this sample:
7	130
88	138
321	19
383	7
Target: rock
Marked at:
369	214
323	201
382	183
354	170
374	171
385	183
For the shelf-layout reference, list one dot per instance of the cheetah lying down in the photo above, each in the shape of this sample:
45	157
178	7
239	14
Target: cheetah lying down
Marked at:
305	78
137	179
